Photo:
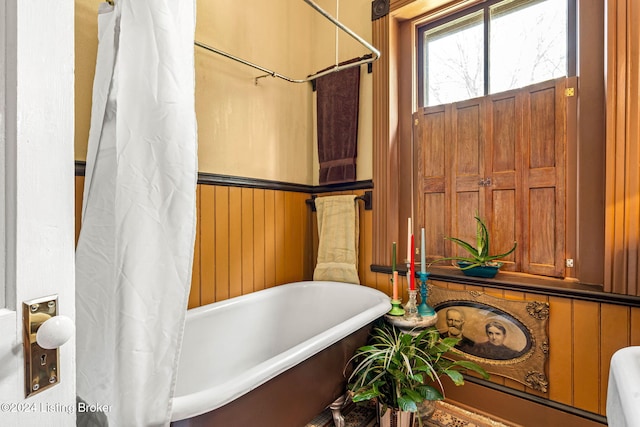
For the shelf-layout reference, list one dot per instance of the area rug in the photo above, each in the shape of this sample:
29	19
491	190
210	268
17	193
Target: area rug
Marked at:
446	415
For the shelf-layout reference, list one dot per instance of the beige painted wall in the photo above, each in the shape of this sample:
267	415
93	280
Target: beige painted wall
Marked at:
261	131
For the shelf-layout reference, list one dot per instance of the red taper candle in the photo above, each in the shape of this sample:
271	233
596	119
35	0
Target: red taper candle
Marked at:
412	283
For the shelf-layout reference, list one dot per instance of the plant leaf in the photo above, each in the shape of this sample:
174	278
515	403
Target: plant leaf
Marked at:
418	378
471	366
478	255
492	257
468	247
430	393
482	236
407	404
455	376
448	342
365	395
412	394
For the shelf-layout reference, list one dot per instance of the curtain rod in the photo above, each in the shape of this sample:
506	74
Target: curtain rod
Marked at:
367	59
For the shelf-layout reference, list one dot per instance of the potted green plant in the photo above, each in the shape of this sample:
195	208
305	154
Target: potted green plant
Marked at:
478	263
401	371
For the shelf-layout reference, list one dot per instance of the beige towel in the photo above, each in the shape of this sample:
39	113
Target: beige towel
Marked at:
338	231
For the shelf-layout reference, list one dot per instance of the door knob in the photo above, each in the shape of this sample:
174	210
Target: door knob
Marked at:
55	332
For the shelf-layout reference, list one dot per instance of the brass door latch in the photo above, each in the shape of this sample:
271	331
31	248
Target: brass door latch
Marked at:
43	332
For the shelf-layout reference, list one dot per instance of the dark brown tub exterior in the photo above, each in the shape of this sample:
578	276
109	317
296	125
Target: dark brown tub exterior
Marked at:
294	397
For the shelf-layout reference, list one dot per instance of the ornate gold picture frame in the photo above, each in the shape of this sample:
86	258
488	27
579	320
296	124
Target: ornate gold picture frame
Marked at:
508	338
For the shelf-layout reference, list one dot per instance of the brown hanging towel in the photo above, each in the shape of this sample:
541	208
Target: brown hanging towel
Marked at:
338	101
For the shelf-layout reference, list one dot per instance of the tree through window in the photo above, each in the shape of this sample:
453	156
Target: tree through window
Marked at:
493	47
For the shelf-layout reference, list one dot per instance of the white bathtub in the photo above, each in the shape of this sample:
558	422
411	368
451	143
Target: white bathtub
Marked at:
232	347
623	394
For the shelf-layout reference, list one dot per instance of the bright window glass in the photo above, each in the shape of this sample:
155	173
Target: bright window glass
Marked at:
527	43
454	64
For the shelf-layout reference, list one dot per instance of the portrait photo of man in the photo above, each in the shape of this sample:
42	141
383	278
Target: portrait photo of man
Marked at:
455	323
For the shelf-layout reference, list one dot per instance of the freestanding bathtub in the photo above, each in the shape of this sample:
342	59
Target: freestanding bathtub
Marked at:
273	357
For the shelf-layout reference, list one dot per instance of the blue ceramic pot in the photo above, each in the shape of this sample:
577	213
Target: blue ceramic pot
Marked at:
486	271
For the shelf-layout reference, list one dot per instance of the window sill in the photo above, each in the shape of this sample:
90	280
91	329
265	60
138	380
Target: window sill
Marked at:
520	282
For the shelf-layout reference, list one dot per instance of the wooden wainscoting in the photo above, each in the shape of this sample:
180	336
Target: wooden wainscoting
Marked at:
248	239
583	335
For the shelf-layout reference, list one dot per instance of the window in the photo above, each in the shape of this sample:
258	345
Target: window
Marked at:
490	136
493	47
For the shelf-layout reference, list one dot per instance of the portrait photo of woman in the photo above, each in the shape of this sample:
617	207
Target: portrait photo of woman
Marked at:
494	347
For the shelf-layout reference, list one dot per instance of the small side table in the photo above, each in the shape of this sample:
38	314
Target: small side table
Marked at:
411	326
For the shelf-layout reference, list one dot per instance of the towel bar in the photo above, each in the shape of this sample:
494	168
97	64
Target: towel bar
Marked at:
367	198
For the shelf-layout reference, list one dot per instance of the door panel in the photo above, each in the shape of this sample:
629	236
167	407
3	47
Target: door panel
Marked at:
543	174
435	220
504	226
542	214
503	194
464	225
432	188
468	167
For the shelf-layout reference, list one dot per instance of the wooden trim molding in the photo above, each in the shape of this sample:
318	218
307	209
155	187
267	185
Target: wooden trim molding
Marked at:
243	182
385	150
264	184
530	284
351	186
622	239
596	418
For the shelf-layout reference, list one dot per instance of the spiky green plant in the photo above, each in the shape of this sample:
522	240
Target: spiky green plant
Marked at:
478	254
400	370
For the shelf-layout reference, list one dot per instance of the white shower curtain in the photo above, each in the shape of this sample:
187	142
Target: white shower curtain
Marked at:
135	251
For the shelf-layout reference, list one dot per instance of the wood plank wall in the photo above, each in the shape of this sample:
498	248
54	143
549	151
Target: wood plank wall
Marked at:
622	240
583	335
248	239
251	239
